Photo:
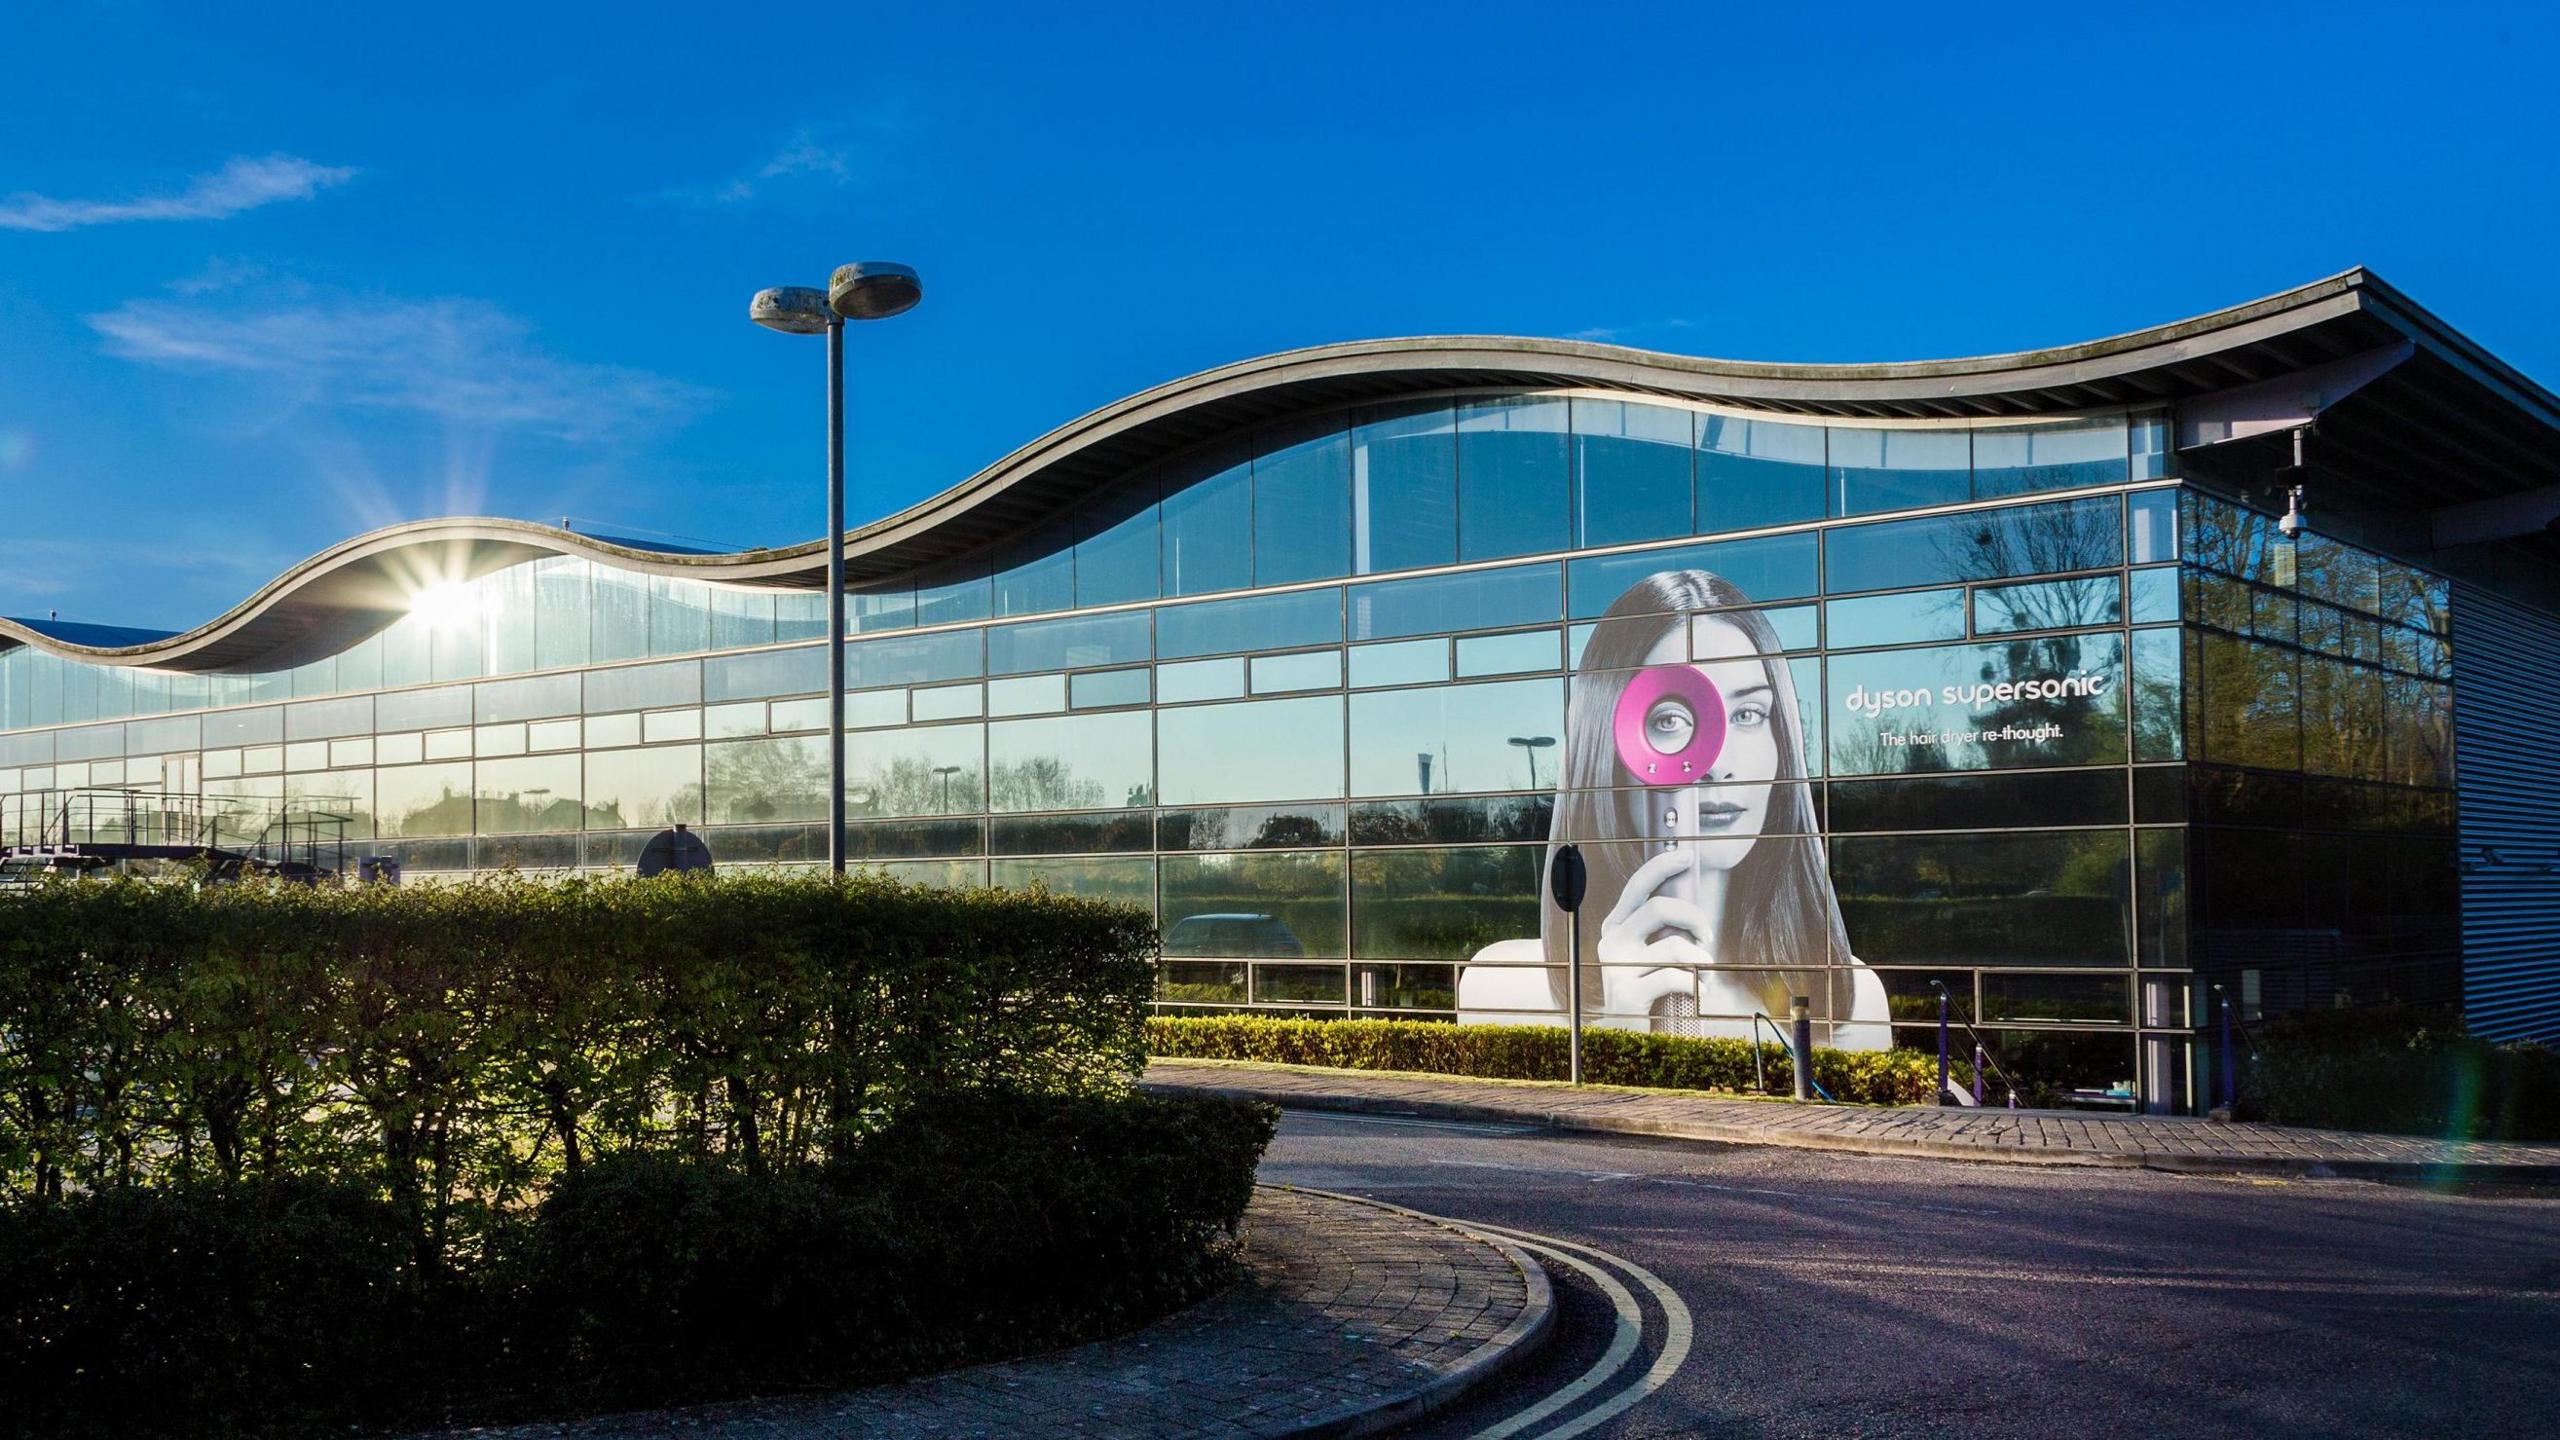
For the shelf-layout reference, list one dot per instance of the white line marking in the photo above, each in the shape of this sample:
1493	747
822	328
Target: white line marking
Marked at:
1678	1334
1622	1345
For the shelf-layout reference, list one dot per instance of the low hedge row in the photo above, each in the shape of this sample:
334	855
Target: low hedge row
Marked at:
981	1225
1540	1052
2401	1070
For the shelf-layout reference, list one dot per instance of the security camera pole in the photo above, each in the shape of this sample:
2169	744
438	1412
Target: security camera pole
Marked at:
1568	878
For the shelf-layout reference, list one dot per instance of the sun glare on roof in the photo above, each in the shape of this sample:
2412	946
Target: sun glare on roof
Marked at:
447	605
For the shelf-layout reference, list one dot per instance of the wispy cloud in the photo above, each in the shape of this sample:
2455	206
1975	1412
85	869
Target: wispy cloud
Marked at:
1609	334
461	360
815	156
243	184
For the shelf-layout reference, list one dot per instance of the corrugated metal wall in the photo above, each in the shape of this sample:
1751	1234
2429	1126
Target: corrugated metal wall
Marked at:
2506	706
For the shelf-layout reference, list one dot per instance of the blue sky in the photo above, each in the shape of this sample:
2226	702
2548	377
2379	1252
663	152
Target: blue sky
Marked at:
264	284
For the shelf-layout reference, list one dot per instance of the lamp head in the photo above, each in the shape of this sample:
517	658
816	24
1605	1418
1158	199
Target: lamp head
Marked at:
791	309
874	290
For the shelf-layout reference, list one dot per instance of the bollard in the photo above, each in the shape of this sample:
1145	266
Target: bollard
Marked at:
1977	1076
2230	1073
1800	1021
1942	1039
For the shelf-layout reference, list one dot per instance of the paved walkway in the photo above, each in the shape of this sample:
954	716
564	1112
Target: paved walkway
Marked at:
2036	1137
1350	1317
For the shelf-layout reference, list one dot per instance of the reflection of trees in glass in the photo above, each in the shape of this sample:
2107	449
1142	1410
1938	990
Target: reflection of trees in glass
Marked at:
759	780
2249	711
1442	904
2052	605
1041	782
657	813
2028	540
912	785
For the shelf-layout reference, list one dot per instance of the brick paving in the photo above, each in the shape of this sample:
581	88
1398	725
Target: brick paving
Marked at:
1348	1315
2046	1137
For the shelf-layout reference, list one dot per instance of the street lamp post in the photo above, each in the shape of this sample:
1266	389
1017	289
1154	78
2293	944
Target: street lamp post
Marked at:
864	290
1530	745
946	772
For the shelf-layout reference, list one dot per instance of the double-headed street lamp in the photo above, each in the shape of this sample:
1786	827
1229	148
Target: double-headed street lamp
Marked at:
864	290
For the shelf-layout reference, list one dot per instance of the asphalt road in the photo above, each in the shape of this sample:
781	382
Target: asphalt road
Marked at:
1841	1295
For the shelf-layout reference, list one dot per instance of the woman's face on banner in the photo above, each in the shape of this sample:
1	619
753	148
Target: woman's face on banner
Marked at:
1735	805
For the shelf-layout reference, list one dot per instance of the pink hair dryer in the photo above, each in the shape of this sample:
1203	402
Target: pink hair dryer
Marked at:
1669	725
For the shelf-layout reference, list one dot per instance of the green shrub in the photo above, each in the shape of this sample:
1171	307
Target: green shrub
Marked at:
984	1224
284	1306
460	1045
2401	1070
1540	1052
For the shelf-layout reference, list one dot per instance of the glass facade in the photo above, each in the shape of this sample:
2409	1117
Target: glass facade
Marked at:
1322	695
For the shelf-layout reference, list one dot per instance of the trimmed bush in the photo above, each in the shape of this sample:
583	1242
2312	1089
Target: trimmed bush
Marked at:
2401	1070
984	1225
1540	1052
281	1307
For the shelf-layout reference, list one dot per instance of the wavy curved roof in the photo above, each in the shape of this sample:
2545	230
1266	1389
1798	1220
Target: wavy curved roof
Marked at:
2506	424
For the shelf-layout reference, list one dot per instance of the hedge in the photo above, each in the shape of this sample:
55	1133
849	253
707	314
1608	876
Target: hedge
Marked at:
1540	1052
459	1046
986	1224
2402	1070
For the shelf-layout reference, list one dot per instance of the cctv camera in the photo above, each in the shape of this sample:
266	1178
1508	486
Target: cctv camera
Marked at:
2292	524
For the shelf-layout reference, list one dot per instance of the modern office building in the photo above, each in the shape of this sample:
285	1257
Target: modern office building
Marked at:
1849	680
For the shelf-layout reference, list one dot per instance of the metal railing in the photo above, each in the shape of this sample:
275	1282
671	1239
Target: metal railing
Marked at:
94	826
1760	1057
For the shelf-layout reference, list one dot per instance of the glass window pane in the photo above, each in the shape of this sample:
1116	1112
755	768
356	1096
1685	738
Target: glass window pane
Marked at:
925	770
1895	619
1983	545
1251	827
1302	502
1297	984
1101	689
1399	662
1269	904
2048	605
1072	762
1772	567
1453	738
533	698
1200	680
538	792
2060	456
771	672
1404	487
915	659
507	615
749	782
1117	545
2069	999
551	735
1631	472
1479	600
1434	904
1313	670
1259	622
607	730
1068	644
637	687
560	588
679	616
644	789
2060	898
1021	695
867	608
1513	654
949	702
959	590
740	618
423	800
2248	707
2155	595
498	740
1514	464
1900	469
1753	473
2158	714
1208	523
1129	880
1260	750
441	745
2151	526
2058	700
2094	796
728	722
1037	573
662	725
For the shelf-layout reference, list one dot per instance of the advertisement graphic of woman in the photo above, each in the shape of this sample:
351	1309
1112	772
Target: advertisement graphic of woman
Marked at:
1684	783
